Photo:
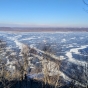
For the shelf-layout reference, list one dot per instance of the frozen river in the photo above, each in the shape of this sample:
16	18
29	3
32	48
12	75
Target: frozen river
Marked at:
72	47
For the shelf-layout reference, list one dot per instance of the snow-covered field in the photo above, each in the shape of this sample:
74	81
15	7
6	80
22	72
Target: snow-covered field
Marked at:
71	47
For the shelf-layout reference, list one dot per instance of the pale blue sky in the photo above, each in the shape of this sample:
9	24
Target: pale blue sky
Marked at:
43	13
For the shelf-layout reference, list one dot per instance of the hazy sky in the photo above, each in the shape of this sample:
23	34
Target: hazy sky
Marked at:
43	13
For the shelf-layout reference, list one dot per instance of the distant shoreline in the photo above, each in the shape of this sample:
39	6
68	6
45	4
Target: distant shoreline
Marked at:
20	29
42	32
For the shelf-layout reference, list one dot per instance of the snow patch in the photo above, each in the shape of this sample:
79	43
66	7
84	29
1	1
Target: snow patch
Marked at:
75	50
63	40
28	38
73	38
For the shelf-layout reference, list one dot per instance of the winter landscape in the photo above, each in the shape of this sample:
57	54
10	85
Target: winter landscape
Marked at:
63	53
43	43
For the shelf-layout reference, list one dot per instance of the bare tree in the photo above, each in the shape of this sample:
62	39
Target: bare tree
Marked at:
86	3
50	67
85	75
6	76
22	64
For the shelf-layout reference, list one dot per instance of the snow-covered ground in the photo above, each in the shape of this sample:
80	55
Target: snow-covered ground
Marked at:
64	45
75	50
